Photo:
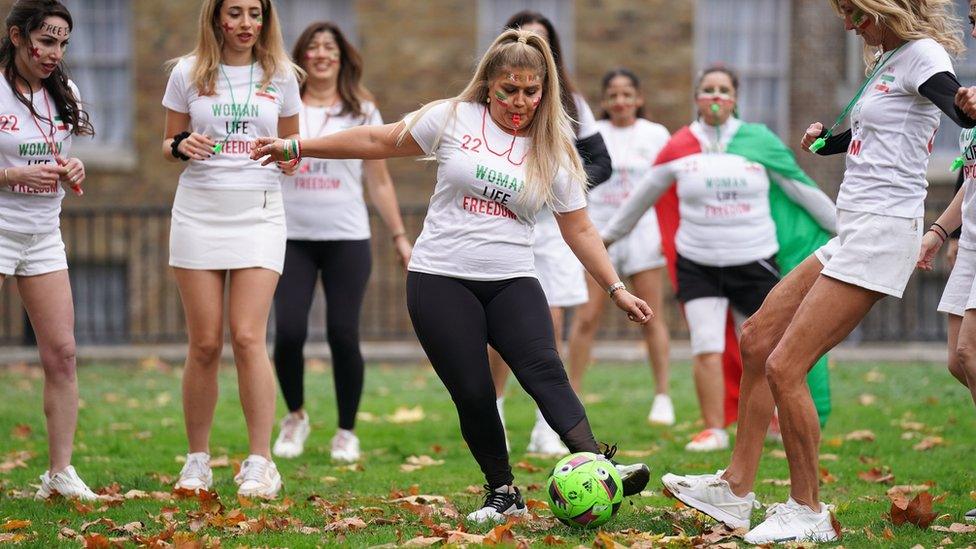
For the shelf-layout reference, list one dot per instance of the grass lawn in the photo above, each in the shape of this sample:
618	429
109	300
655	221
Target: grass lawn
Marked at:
131	433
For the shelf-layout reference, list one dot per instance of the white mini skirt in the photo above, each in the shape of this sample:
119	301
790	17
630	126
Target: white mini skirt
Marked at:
227	229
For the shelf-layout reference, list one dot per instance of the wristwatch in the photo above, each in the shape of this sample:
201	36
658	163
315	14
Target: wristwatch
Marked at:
615	287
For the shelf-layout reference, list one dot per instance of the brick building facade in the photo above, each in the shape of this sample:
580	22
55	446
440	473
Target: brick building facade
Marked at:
793	54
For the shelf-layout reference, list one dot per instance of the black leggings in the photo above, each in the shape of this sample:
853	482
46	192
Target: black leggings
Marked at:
455	320
344	266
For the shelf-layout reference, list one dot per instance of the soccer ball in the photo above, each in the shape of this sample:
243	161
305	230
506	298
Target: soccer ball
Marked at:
584	490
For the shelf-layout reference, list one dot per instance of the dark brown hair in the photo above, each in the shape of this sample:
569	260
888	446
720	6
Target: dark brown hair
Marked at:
634	81
718	67
27	16
351	92
566	87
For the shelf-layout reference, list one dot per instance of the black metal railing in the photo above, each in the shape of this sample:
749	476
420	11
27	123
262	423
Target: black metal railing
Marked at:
124	291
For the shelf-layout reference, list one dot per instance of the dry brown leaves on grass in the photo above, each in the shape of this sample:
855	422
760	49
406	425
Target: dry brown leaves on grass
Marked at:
862	435
878	475
414	463
21	431
918	511
406	415
15	460
928	443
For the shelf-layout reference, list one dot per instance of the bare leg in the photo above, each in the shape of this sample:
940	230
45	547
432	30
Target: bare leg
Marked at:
647	285
202	293
251	293
824	318
586	322
710	388
760	334
47	298
966	350
952	336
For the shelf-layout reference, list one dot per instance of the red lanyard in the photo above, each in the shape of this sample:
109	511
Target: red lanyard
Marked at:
49	140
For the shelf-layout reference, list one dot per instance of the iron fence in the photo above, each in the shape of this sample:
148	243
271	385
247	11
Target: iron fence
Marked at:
124	291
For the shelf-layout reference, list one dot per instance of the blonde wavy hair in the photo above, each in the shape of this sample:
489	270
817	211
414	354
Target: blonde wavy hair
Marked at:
552	146
269	50
912	20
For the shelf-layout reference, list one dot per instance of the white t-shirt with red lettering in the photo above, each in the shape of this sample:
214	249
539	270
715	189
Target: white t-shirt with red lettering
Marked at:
22	143
476	228
892	128
324	200
239	112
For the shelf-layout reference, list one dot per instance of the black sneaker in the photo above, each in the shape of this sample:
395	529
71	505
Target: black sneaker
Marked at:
635	477
971	515
500	503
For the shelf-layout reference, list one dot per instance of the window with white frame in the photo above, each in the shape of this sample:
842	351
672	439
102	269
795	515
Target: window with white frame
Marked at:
752	37
100	63
492	15
296	15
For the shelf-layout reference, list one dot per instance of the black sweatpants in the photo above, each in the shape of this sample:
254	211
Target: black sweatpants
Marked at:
455	320
344	266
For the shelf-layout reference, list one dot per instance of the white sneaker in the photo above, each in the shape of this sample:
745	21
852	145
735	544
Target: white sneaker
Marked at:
345	446
708	440
196	474
294	430
545	440
662	411
711	495
500	503
500	404
258	478
791	521
971	515
67	484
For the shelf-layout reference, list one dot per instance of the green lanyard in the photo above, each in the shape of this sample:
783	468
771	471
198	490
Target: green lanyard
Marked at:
237	114
958	162
821	141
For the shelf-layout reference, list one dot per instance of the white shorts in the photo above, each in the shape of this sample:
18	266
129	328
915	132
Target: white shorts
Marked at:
640	250
958	296
560	273
227	229
24	254
876	252
706	318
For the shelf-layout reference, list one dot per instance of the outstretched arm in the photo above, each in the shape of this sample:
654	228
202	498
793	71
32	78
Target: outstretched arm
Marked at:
366	142
646	192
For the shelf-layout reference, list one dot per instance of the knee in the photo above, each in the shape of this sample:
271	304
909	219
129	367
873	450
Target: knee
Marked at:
246	340
780	376
965	360
59	362
587	321
343	336
474	398
754	344
205	351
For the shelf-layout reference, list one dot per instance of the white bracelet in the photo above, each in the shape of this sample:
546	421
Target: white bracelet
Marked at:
616	286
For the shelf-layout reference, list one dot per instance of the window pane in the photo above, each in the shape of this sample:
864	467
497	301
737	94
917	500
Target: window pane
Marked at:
295	15
492	15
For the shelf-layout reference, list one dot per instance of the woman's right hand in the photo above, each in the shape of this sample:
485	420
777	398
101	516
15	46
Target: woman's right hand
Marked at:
271	147
636	308
37	176
811	135
197	146
931	242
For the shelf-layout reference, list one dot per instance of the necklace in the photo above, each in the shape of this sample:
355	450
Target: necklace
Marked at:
821	141
237	114
507	154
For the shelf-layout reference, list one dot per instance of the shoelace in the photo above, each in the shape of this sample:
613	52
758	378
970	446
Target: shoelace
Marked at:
195	468
341	441
253	471
781	509
608	451
498	500
290	428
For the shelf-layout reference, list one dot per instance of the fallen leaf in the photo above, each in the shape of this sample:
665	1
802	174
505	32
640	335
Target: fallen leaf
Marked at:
776	481
911	425
918	511
501	534
526	466
345	524
928	443
863	435
867	399
458	537
474	489
14	460
422	499
14	524
419	462
553	540
12	538
888	534
829	457
220	461
956	528
778	454
877	475
874	376
406	415
21	431
422	541
826	477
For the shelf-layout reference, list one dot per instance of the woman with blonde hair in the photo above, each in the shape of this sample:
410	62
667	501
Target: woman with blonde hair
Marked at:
228	228
329	237
894	117
504	148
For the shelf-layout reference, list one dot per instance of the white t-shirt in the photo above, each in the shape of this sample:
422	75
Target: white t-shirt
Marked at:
475	228
584	115
22	209
250	113
633	150
892	128
968	238
324	200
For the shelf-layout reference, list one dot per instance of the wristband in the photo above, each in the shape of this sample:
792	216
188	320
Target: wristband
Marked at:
937	233
615	287
174	147
945	233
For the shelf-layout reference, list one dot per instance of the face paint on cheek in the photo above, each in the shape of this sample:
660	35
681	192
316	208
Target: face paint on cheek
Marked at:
860	19
35	53
502	98
227	27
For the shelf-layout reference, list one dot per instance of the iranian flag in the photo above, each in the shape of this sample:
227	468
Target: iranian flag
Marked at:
798	234
59	124
269	92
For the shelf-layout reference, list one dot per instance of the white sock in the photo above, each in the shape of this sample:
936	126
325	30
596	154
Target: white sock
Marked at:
539	418
720	433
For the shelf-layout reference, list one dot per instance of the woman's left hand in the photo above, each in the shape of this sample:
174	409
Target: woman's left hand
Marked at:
270	147
966	100
75	175
289	168
403	249
636	308
931	242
